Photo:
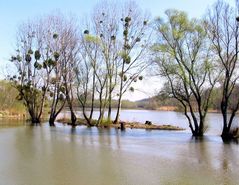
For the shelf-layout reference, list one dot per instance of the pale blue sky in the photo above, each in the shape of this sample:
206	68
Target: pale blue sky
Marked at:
14	12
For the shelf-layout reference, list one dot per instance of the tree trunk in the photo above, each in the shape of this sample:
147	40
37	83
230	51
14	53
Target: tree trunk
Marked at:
110	99
109	107
100	111
52	121
73	119
118	110
226	135
35	120
201	126
88	119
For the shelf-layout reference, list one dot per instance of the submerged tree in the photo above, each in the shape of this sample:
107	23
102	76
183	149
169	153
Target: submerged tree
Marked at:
113	53
45	59
55	26
106	25
32	78
183	59
62	39
86	72
135	41
222	29
69	59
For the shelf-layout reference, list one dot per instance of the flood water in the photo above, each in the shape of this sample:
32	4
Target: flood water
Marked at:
213	120
90	156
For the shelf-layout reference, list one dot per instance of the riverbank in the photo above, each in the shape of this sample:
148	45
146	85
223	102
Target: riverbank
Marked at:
12	115
131	125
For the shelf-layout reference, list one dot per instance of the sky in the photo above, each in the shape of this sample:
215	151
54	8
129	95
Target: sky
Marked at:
14	12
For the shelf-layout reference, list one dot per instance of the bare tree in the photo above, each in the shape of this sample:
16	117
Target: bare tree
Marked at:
55	34
106	24
135	42
86	74
222	29
101	60
33	68
69	59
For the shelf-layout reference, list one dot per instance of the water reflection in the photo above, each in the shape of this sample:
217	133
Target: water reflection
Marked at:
81	155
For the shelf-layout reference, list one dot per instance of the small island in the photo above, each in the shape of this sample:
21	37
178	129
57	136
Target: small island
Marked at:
131	125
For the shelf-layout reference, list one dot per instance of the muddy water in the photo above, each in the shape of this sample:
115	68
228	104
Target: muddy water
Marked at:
213	120
91	156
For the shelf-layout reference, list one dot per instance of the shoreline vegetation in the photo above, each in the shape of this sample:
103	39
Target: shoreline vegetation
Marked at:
131	125
12	115
15	114
8	114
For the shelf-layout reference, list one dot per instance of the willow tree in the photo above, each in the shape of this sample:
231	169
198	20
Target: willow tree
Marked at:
222	29
183	60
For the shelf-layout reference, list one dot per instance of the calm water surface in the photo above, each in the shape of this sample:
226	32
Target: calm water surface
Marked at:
213	120
89	156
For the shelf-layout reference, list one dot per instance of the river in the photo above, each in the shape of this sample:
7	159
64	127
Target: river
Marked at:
90	156
213	120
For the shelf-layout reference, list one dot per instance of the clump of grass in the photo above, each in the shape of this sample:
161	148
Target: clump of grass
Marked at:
105	122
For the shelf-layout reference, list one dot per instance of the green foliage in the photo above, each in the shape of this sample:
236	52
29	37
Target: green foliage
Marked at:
55	36
86	32
92	38
56	55
37	55
113	37
49	63
19	58
28	58
127	46
183	60
127	59
127	19
37	65
137	39
8	98
30	52
125	78
125	33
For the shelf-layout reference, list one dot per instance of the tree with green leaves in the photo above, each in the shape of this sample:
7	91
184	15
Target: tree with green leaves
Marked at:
182	57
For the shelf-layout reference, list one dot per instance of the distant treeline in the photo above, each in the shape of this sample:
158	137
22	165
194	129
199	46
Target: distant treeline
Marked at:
9	102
